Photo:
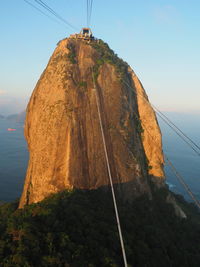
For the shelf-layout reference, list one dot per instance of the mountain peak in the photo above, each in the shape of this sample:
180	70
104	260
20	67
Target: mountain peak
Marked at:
63	128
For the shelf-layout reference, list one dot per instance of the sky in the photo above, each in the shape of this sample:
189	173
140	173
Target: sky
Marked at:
160	40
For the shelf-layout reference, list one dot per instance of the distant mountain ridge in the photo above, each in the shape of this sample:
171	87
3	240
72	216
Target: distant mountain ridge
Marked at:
20	117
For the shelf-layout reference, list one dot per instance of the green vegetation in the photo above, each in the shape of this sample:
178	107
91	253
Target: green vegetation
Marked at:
72	54
82	85
78	228
107	55
139	127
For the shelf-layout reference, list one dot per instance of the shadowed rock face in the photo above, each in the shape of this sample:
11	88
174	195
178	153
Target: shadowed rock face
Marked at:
63	131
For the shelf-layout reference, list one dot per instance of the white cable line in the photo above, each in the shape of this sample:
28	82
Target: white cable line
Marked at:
90	14
109	174
183	136
198	147
179	134
181	180
41	11
87	13
177	174
174	170
49	9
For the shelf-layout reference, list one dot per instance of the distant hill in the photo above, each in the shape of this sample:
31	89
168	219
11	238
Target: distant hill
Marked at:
1	116
20	117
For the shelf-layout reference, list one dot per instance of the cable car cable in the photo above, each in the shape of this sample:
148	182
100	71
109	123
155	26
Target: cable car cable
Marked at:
90	13
43	4
41	11
188	142
177	127
174	170
109	172
182	137
87	12
181	180
49	9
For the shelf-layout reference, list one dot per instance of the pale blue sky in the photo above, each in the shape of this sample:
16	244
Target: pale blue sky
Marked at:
160	39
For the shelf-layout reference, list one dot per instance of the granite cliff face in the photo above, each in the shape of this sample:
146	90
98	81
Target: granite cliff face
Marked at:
63	131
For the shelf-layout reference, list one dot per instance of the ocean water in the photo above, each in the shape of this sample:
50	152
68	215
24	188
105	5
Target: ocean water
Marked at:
14	156
185	160
13	160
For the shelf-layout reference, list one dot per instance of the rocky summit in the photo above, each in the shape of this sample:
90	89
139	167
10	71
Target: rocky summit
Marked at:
63	130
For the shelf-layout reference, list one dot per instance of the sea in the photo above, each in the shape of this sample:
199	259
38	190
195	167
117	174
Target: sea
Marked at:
13	160
14	156
185	160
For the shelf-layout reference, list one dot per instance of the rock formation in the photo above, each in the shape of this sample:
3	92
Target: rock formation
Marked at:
63	131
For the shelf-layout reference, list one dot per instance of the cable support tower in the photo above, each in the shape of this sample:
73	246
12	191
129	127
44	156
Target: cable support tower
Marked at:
50	10
176	129
109	173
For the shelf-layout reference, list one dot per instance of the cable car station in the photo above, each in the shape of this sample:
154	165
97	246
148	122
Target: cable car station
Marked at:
85	34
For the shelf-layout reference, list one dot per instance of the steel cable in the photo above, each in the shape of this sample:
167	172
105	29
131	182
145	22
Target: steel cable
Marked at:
180	133
109	173
49	9
41	11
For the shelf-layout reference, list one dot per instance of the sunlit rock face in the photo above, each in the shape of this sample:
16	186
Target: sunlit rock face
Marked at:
63	132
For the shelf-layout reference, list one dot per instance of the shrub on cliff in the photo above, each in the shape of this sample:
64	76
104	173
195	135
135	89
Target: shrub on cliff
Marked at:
107	55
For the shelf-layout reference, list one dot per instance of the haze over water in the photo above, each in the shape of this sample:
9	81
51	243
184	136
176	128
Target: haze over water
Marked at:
14	156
